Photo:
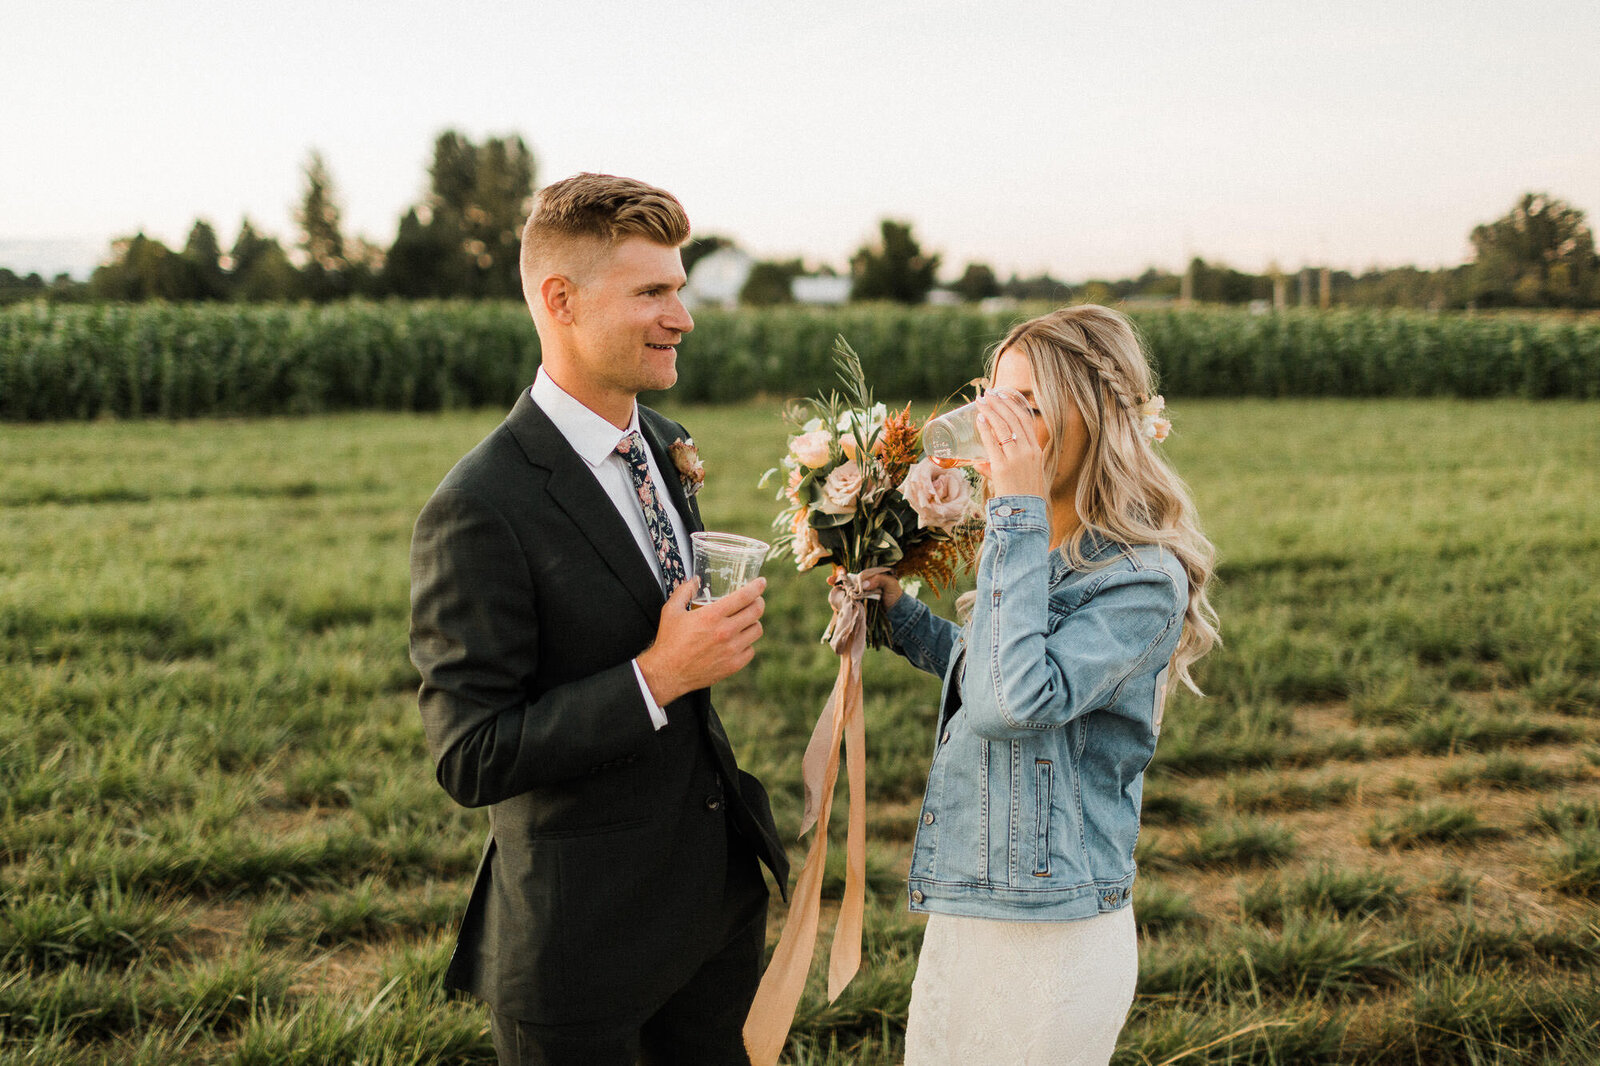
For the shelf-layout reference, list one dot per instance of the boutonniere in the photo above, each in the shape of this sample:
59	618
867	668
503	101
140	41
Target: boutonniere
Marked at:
686	457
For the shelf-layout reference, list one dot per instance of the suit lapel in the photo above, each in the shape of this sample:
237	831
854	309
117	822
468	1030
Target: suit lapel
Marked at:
656	430
573	488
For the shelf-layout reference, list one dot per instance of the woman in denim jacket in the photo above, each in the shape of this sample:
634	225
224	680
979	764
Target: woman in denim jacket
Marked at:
1090	597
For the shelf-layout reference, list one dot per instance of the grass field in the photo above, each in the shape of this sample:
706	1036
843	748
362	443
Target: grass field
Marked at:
1377	840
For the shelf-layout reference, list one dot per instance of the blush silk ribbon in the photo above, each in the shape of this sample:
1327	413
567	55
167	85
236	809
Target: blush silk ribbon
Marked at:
772	1013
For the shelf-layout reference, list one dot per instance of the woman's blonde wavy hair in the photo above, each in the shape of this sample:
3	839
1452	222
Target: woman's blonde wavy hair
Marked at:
1091	357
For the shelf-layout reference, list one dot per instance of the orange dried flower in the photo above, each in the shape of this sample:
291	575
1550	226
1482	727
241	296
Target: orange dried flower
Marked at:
941	561
900	445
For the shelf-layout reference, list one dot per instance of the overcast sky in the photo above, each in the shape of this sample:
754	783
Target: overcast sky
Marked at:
1086	140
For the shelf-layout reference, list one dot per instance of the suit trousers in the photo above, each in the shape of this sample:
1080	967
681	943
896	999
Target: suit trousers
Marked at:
702	1024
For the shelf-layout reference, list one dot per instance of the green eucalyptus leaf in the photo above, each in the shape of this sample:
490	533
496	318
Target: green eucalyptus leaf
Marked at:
823	520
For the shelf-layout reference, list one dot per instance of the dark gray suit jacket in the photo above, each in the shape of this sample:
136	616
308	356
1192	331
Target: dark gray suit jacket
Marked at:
605	865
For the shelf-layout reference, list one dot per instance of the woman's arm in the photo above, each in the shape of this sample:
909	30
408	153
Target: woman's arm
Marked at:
1021	675
926	640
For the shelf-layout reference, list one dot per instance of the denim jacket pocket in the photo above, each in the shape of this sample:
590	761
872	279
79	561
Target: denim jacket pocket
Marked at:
1160	701
1044	788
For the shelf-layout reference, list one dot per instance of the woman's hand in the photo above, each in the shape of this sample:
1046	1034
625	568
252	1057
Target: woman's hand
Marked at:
886	585
1016	459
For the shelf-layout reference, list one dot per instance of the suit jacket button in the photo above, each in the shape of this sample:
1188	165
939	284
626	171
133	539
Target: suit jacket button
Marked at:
713	803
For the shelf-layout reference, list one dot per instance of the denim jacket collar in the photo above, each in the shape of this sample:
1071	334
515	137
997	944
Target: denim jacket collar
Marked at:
1097	548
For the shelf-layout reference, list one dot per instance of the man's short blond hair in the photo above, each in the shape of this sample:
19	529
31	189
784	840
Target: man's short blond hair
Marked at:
578	219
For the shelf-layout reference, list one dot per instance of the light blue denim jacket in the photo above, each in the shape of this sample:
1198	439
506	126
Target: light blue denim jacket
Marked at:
1032	806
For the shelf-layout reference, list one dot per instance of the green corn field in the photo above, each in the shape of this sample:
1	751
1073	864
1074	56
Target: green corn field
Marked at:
180	361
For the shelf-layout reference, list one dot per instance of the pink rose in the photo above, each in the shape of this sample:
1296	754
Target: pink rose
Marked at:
940	497
808	549
812	449
842	489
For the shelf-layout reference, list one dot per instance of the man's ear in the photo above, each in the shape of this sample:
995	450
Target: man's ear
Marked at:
559	295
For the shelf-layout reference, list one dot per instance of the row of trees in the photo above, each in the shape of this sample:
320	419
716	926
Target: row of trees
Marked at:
461	241
1540	254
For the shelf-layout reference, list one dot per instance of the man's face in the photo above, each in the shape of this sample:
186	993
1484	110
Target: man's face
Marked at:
628	319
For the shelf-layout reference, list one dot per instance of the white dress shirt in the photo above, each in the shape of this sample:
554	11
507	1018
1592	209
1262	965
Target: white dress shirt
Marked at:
595	440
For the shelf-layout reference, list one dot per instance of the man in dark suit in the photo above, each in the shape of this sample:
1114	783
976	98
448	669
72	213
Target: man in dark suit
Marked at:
619	913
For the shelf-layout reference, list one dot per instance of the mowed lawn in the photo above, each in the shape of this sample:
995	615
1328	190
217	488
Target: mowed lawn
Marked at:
1376	840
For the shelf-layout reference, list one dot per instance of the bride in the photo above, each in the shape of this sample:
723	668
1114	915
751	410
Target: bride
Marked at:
1090	600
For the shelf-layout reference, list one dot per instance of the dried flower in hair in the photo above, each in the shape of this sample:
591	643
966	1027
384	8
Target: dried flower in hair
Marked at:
1152	427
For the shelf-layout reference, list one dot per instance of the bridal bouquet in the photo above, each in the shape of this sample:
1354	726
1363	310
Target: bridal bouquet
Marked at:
860	498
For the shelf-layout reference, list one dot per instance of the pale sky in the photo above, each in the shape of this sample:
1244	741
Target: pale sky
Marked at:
1087	140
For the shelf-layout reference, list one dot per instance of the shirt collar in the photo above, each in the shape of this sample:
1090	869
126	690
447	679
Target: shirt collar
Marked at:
591	436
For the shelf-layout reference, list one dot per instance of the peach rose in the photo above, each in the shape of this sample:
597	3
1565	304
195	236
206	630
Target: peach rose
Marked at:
812	449
940	497
842	489
808	549
849	446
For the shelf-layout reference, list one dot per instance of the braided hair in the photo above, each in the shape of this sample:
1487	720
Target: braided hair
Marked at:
1090	357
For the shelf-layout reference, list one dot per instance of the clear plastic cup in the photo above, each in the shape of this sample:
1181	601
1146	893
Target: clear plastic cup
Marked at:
952	439
724	562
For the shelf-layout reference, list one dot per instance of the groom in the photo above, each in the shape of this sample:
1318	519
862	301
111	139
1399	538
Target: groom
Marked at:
619	913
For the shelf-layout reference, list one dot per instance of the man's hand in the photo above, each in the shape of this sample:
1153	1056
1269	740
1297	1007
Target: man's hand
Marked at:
696	649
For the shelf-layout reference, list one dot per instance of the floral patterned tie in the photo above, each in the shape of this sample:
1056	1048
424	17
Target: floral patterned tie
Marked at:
631	448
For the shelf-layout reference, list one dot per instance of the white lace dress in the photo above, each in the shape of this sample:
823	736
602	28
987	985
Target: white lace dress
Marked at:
998	993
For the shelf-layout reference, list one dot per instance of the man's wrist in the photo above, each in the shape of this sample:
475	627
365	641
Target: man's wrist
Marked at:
658	716
655	678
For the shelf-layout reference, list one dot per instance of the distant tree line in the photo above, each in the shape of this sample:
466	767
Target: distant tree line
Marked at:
1541	254
461	241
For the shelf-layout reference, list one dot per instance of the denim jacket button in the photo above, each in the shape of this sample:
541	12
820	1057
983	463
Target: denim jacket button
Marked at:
927	818
916	896
946	738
